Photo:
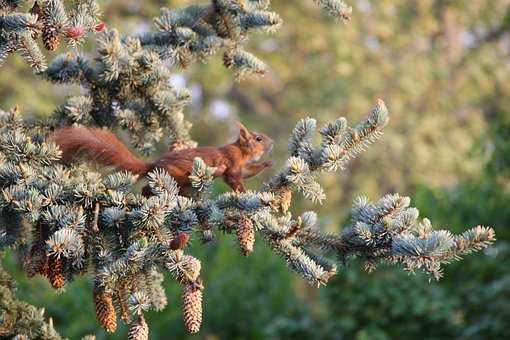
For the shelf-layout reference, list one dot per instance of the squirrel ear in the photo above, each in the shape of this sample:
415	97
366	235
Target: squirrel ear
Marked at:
244	134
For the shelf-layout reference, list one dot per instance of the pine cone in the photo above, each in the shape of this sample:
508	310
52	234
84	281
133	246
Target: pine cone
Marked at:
36	261
138	329
105	312
50	37
56	272
192	307
246	235
122	295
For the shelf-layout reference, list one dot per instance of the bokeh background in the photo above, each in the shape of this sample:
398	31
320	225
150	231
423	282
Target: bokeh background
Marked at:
442	67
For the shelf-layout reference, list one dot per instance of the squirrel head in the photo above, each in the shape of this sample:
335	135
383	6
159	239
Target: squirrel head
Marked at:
253	143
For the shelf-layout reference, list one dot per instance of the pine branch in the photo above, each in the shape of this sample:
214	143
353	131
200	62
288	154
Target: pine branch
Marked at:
48	19
67	217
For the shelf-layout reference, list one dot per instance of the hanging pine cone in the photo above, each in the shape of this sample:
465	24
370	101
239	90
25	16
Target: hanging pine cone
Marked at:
56	272
138	329
105	312
192	307
122	295
50	25
246	235
50	37
36	261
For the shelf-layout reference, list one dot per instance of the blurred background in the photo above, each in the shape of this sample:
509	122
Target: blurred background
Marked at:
442	67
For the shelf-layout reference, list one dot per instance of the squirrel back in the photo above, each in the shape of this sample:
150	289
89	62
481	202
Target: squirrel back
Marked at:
98	145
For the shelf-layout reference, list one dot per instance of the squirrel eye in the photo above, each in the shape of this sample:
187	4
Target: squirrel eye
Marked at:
259	138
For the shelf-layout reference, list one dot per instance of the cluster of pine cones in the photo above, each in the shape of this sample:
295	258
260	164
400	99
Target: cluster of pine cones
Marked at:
52	29
51	267
50	32
109	304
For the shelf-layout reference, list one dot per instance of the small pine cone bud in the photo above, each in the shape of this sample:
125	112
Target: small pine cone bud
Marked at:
192	307
36	261
75	32
246	235
50	38
180	241
285	199
138	329
56	272
105	311
100	27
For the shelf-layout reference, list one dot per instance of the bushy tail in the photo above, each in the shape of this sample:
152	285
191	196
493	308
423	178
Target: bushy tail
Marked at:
98	145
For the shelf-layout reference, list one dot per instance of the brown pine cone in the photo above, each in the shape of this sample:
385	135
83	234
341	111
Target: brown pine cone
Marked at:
192	307
122	297
50	38
246	235
105	312
36	261
56	272
138	329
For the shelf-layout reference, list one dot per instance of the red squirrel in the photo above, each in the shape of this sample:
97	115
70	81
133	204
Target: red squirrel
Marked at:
234	162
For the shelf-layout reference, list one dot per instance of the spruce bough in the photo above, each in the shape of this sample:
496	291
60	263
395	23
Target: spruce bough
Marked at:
67	220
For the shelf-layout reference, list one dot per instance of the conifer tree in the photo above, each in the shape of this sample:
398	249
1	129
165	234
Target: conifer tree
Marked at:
69	220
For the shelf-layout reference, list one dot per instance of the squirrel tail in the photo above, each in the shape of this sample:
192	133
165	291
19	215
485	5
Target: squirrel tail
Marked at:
98	145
